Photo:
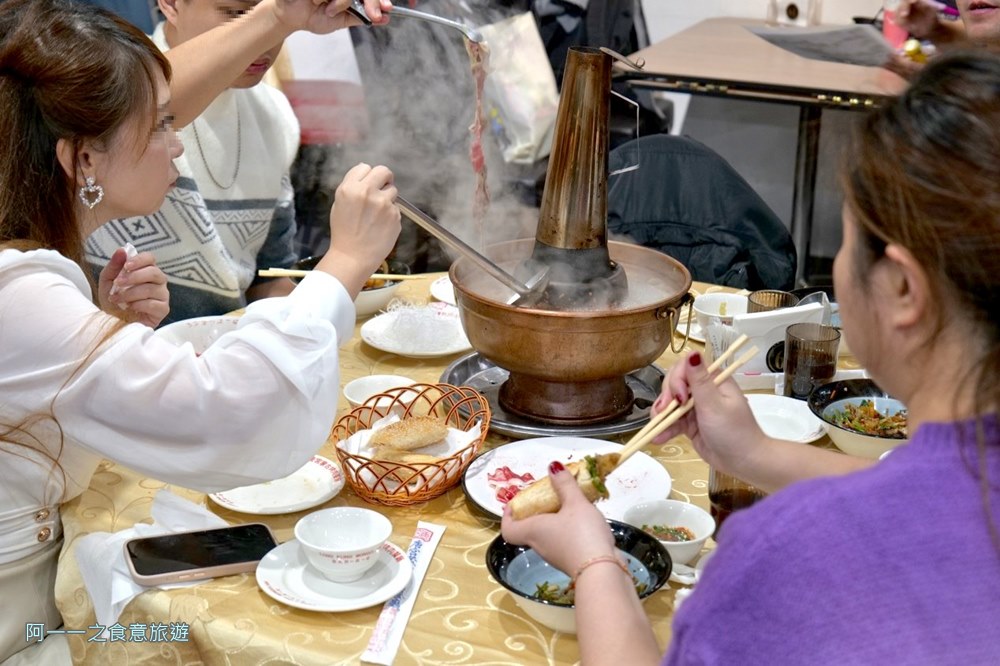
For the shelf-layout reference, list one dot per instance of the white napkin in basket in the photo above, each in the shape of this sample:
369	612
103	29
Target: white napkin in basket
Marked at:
111	587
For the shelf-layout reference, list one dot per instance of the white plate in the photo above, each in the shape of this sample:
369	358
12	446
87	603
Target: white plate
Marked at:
316	482
785	418
286	575
639	479
697	334
443	290
418	332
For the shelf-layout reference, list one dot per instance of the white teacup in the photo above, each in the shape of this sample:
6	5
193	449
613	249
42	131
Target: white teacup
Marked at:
344	542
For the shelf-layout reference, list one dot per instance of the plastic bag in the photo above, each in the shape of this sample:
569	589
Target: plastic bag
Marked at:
520	94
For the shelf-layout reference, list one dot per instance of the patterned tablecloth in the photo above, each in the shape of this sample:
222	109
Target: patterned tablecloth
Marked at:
462	616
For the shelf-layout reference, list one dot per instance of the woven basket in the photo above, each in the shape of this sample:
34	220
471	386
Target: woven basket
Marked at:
400	484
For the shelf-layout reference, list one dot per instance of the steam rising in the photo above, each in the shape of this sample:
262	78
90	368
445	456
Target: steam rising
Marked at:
420	97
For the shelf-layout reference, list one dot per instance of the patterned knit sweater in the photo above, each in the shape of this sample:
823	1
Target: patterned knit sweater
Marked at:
213	230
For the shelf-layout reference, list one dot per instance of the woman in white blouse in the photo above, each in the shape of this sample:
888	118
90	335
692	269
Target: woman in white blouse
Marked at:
85	109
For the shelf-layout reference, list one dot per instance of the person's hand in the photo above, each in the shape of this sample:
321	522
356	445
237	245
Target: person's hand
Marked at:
903	66
917	17
325	16
139	286
364	225
721	426
566	539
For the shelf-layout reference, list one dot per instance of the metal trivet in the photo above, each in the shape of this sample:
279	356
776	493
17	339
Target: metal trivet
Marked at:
484	376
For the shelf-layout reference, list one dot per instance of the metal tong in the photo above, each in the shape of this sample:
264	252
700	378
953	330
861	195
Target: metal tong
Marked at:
357	8
527	293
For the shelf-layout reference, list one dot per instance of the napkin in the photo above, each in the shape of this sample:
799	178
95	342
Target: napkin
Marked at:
111	587
391	624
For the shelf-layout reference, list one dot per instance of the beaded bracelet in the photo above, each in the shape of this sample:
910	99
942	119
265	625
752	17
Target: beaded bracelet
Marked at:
613	559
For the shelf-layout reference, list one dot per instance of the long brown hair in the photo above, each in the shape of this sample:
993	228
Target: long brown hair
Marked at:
73	72
67	71
923	172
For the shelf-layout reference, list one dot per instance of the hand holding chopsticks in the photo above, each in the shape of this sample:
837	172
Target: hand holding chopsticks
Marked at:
674	411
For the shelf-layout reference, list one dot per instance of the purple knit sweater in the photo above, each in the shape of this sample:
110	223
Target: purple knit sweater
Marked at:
893	565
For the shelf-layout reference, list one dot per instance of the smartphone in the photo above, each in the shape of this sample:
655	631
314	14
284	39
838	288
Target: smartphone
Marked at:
174	558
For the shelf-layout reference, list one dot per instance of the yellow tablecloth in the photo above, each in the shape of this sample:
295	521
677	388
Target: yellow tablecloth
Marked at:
460	617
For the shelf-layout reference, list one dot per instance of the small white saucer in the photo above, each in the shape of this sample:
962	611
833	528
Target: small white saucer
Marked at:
443	290
316	482
785	418
286	575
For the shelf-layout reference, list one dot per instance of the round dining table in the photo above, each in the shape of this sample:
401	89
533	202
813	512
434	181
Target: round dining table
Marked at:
461	615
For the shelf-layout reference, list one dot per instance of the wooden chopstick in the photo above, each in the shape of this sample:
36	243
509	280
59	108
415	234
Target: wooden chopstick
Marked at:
289	272
646	435
716	364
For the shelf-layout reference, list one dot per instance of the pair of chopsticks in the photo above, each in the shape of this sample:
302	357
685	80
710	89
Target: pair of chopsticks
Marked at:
290	273
674	411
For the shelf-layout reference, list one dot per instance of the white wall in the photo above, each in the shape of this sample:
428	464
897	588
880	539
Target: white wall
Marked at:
759	139
665	17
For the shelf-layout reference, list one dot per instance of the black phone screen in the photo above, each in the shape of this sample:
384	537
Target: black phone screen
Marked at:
196	550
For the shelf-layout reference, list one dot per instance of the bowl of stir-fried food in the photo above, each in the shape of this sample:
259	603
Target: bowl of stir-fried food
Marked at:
376	293
546	594
860	418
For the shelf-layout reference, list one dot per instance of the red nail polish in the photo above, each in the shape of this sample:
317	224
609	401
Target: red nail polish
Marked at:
695	359
555	467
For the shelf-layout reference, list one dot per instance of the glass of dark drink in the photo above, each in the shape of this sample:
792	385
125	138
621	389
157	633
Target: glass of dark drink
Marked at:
727	494
810	357
766	300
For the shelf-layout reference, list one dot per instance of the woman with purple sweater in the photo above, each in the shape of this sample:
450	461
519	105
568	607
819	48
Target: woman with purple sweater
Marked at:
850	562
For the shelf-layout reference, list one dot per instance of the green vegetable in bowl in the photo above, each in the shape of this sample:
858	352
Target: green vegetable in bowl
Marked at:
867	420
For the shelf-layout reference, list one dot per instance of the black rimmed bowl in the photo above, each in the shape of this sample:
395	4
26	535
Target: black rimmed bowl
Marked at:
369	300
521	570
830	399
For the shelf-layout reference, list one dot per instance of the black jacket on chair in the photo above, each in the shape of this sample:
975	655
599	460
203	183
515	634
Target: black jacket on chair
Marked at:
686	201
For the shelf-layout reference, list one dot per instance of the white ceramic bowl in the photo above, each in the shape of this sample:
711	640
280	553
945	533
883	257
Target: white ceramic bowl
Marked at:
201	332
358	390
719	305
674	513
368	301
831	398
342	543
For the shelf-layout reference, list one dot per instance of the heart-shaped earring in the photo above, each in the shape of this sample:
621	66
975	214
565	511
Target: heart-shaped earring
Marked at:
91	194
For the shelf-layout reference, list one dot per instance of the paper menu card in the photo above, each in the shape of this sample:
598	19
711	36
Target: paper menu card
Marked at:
849	44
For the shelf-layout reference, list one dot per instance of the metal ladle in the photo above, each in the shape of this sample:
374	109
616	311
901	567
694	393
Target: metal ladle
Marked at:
527	293
358	9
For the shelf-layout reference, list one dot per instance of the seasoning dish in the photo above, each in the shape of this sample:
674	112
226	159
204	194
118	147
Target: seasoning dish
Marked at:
521	570
673	516
829	400
357	391
783	417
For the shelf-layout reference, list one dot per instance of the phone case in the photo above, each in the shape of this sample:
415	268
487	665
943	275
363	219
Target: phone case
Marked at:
200	573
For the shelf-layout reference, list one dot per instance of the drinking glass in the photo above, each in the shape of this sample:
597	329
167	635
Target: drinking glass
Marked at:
727	494
810	357
766	300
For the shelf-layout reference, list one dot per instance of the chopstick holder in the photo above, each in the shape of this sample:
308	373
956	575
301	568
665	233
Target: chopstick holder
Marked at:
391	624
